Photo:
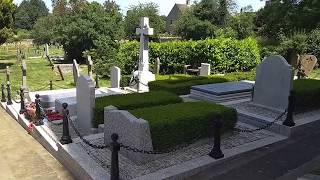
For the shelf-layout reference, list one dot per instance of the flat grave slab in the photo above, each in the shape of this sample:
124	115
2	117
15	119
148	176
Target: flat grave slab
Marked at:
222	92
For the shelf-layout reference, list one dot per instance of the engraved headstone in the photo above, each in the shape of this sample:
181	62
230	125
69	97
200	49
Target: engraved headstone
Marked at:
308	62
85	92
75	70
274	80
115	77
90	64
205	69
143	73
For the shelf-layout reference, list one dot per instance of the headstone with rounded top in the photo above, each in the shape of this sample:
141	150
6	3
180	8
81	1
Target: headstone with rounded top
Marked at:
115	77
308	62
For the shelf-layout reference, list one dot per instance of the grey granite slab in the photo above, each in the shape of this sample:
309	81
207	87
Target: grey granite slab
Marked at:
224	88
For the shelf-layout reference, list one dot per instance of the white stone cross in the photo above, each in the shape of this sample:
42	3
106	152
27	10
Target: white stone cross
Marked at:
144	31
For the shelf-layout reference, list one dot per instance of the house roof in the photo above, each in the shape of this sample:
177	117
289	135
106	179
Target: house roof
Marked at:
182	7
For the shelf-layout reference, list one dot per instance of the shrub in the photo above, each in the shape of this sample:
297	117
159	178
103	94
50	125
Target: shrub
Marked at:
224	55
132	101
313	42
181	84
175	124
307	95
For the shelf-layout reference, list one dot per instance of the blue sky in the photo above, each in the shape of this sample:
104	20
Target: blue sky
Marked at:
165	5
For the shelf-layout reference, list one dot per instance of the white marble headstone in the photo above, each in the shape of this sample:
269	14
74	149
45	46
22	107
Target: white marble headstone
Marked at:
115	77
75	70
205	69
274	80
85	102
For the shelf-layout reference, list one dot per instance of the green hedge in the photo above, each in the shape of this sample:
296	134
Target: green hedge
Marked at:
175	124
132	101
181	84
224	55
307	95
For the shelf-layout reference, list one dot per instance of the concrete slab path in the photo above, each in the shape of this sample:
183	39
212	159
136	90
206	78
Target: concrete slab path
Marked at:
22	157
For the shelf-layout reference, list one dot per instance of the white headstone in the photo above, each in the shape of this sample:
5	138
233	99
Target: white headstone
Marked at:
75	70
90	64
274	80
47	50
205	69
115	77
85	102
143	72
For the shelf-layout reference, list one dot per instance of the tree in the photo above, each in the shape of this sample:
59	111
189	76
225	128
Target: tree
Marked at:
89	28
243	24
43	30
28	12
7	9
132	20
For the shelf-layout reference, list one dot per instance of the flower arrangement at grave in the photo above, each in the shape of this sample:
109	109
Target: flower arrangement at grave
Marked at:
52	115
30	113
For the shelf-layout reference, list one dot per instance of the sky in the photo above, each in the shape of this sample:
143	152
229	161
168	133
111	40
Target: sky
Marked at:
165	5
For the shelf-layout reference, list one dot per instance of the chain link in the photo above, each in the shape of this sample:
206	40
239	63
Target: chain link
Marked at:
86	141
266	126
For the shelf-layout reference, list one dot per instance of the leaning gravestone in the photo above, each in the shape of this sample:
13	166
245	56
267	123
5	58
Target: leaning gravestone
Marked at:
75	71
90	64
308	62
24	73
115	77
273	84
85	102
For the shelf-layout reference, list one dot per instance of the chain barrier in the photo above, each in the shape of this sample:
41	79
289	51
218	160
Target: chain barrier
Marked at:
42	88
59	86
266	126
86	141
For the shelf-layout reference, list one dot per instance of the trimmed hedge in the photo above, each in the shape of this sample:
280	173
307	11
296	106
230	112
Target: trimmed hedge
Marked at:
307	95
181	84
175	124
132	101
224	55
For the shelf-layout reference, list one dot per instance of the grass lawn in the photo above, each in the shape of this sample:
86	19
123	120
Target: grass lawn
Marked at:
39	72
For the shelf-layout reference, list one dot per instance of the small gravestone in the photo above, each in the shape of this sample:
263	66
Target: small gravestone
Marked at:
90	64
8	73
308	62
24	73
205	69
274	80
157	66
115	77
46	49
75	70
85	92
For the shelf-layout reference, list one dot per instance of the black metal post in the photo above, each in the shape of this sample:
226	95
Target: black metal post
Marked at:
51	85
115	147
252	93
22	108
66	138
9	102
289	120
3	94
38	111
216	152
97	81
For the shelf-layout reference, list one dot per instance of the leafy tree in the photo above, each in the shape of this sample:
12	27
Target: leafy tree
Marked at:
243	24
151	10
7	9
28	12
313	42
43	30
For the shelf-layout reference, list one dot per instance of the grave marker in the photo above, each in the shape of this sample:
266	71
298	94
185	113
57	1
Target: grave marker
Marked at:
24	74
308	62
157	66
205	69
75	70
85	92
115	77
90	64
274	80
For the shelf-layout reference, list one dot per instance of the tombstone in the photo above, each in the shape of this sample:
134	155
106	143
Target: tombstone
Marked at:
274	80
24	74
90	64
8	73
308	62
46	49
76	72
157	66
143	73
205	69
115	77
85	92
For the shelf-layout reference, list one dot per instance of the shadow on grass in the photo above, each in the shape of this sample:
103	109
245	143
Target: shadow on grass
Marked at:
4	65
7	57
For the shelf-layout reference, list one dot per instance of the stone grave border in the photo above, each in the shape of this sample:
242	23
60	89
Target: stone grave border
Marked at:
82	166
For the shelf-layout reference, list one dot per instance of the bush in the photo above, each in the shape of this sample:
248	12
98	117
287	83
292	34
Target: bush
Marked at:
132	101
307	95
181	84
313	42
224	55
175	124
